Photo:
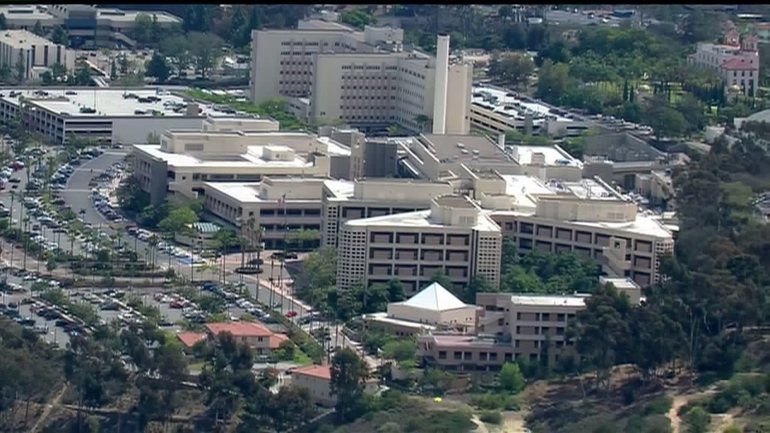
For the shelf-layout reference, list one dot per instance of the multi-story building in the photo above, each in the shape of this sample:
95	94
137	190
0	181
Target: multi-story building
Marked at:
101	115
86	25
26	52
185	160
448	157
366	79
510	327
497	111
455	238
280	206
587	217
738	65
371	198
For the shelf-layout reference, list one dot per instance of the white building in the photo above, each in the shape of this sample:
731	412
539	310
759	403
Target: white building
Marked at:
431	308
34	53
103	115
454	238
280	206
185	160
737	65
586	217
334	73
371	198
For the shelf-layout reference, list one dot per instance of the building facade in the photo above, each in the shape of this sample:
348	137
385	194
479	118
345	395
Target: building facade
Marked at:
454	238
372	198
185	160
26	52
737	65
364	79
87	26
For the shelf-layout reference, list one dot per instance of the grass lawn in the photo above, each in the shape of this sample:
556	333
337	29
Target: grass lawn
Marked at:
273	109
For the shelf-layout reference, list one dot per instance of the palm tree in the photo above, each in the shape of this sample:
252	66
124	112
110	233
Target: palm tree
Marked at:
153	241
422	121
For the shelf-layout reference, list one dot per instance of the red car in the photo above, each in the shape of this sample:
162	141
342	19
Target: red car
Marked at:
291	314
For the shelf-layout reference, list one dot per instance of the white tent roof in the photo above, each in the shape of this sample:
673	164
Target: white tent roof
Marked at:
435	298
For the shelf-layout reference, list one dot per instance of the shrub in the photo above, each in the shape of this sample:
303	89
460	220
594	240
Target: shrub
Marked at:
491	417
495	402
660	405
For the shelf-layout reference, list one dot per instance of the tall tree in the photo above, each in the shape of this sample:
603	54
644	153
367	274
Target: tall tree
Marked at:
349	373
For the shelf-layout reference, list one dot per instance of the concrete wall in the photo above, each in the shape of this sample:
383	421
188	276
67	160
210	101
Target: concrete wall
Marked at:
134	130
621	147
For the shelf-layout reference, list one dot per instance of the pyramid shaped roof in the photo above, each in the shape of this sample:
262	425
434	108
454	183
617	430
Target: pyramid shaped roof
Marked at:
435	298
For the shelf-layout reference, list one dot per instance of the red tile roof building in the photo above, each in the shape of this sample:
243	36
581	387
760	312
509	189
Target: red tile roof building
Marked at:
256	335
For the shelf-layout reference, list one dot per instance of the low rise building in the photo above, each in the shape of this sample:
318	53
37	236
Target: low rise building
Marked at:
366	198
497	111
317	380
455	237
434	307
510	327
261	339
102	115
281	207
185	160
22	51
87	26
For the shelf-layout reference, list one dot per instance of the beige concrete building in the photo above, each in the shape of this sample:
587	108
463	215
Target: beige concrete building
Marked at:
280	206
455	237
450	157
34	53
434	307
333	73
587	217
656	186
510	327
372	198
185	160
498	110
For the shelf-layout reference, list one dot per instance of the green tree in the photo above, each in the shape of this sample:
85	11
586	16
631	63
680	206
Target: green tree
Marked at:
178	220
552	80
158	67
3	22
205	49
402	351
59	36
511	378
38	28
348	376
511	69
143	28
698	420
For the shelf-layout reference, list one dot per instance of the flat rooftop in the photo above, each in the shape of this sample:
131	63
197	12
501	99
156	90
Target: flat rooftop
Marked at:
384	318
418	219
455	201
461	147
526	189
130	16
251	192
577	300
252	158
107	102
551	154
516	107
31	12
22	38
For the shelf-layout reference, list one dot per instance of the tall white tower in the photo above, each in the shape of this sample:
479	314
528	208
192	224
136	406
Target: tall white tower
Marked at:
440	92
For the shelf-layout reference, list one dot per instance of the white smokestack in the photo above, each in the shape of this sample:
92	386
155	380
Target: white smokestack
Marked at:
439	95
